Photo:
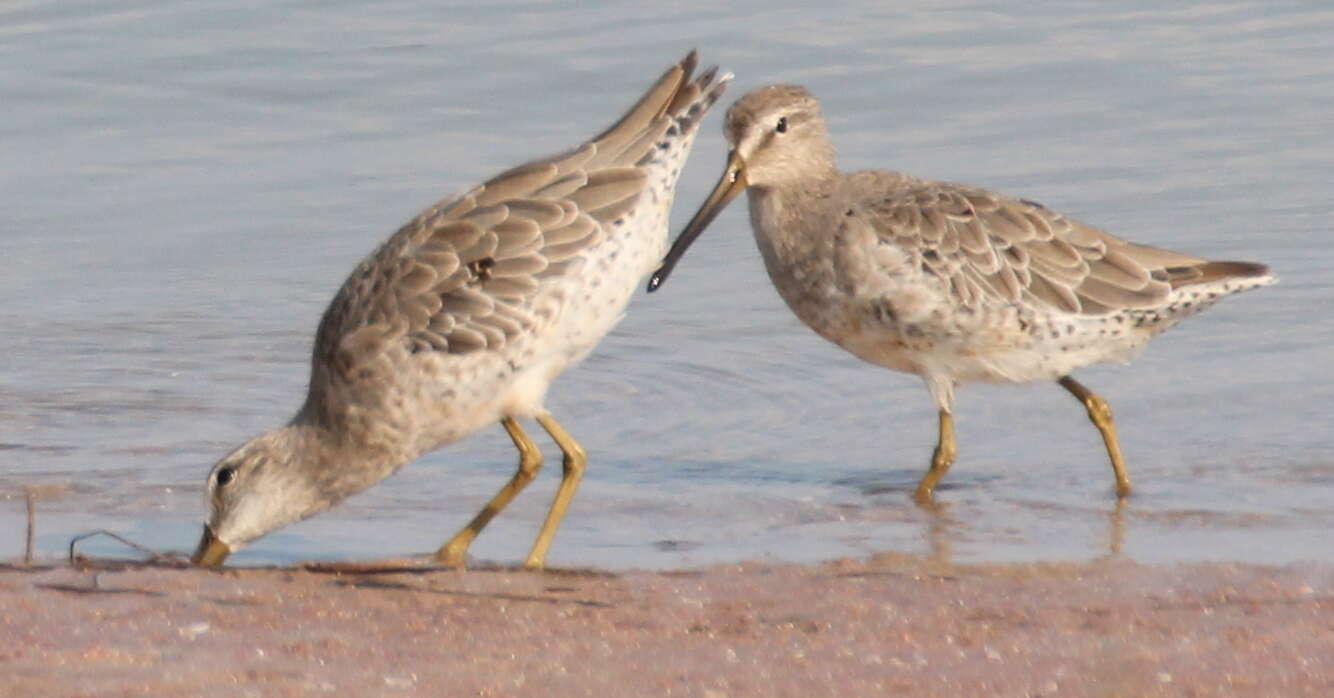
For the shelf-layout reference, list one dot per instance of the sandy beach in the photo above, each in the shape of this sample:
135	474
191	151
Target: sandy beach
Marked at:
890	625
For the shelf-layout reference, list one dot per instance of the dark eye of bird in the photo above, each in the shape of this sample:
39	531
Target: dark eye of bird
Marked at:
225	475
782	125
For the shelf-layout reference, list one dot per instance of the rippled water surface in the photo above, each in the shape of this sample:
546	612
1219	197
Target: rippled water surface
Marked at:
185	184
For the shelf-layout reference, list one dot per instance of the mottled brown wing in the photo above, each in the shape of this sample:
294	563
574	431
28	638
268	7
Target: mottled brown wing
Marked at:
987	246
465	275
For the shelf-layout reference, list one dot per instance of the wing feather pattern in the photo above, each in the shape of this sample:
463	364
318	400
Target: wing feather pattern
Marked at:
467	274
986	247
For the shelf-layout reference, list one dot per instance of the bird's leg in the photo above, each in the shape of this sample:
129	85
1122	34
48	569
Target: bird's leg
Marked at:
940	461
573	466
530	461
1100	413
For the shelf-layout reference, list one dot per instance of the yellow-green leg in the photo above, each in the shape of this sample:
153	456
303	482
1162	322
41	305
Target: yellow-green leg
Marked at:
530	461
1100	413
573	465
940	461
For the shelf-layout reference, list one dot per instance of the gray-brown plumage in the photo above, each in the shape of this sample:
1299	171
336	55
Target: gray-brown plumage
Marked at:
463	317
950	282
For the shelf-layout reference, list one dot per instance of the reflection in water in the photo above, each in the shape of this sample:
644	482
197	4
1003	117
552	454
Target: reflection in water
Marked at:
938	531
1116	528
942	530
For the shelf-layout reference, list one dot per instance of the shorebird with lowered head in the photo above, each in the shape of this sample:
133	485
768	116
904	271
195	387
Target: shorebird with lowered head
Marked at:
462	319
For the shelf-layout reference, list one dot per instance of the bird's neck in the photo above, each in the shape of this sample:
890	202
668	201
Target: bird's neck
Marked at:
350	457
787	214
792	231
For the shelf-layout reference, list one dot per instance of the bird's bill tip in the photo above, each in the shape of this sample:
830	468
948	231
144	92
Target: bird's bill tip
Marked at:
729	185
211	551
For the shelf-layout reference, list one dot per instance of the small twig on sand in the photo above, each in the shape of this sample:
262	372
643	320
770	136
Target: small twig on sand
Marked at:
32	525
153	555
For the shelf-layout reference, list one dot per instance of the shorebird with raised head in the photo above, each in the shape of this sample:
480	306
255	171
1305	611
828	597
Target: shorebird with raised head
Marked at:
953	283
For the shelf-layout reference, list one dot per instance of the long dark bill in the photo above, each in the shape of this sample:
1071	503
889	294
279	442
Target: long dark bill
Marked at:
211	551
731	184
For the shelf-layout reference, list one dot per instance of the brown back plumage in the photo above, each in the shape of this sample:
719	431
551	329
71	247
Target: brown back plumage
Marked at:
463	275
988	245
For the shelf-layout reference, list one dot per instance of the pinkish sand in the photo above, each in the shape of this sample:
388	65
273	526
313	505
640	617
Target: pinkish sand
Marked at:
891	625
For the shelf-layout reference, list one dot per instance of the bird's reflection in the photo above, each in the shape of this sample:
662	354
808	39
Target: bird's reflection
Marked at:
1116	528
942	529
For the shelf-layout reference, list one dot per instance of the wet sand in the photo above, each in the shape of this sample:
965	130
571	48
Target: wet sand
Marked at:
891	625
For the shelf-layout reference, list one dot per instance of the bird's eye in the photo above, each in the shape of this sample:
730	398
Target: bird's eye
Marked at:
781	127
226	475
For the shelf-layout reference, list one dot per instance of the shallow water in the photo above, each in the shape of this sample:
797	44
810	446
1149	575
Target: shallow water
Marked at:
186	186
